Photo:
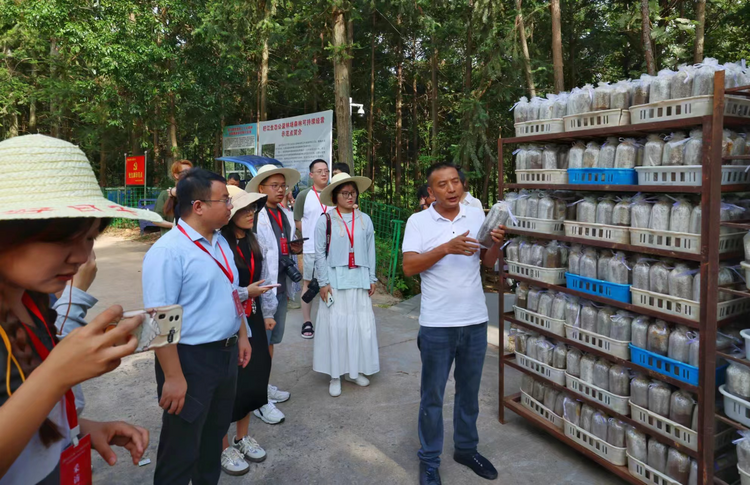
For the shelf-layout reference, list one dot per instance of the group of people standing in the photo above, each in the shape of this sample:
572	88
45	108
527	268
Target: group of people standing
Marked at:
227	258
253	240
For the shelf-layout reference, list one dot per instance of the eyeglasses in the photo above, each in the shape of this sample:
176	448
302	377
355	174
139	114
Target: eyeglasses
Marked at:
247	210
322	172
348	195
276	186
227	201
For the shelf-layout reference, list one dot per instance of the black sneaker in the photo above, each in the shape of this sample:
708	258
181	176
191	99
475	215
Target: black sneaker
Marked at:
479	464
428	475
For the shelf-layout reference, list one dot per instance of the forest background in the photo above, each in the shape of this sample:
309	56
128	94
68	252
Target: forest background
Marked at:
437	78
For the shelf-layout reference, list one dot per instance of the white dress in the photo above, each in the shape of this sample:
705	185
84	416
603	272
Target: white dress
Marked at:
346	339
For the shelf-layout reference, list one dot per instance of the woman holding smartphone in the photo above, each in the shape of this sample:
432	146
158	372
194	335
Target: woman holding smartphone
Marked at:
345	338
48	222
252	381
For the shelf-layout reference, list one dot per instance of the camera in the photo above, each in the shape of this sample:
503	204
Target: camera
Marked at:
312	289
288	267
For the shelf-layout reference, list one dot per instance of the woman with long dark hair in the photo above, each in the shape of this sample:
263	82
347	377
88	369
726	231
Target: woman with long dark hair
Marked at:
252	381
51	211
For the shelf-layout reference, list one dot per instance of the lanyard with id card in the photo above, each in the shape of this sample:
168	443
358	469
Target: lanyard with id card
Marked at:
351	239
250	302
238	306
75	460
283	242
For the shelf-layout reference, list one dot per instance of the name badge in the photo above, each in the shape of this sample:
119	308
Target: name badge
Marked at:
238	306
284	246
75	463
351	260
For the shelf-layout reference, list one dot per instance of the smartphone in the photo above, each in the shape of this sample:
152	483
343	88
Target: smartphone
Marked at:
300	240
329	301
161	327
270	286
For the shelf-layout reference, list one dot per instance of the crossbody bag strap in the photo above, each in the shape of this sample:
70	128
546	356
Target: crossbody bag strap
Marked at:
328	233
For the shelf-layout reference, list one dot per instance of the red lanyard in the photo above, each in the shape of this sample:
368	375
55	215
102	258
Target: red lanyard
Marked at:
252	262
278	219
322	207
351	235
70	400
227	272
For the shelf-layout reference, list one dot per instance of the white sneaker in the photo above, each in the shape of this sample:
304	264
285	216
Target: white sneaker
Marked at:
334	389
361	380
270	414
232	462
276	396
250	449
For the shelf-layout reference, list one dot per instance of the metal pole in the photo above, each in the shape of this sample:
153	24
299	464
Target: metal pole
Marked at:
145	173
125	185
500	291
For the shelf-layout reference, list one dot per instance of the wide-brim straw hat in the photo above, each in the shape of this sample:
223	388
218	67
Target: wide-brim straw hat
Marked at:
326	196
42	177
292	176
242	199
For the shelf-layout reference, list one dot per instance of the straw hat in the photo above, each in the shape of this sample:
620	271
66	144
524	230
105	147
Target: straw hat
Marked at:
242	199
292	176
326	196
46	178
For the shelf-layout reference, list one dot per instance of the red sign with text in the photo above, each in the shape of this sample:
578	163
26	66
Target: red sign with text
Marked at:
135	170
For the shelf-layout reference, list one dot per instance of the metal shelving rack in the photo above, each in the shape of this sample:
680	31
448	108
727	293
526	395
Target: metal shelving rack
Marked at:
710	192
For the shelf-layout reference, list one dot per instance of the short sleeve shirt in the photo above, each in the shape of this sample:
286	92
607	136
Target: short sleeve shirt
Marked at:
452	292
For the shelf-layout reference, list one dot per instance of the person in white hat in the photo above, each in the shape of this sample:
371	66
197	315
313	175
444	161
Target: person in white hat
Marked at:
196	380
51	210
346	342
258	302
276	225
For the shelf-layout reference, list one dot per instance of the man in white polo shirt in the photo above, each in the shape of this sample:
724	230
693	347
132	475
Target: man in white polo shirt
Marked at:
440	245
307	211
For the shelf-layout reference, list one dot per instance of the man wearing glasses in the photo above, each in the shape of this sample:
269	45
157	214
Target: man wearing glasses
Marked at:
274	223
307	211
193	266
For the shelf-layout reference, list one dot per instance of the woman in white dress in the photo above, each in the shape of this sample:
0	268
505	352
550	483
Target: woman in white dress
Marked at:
346	340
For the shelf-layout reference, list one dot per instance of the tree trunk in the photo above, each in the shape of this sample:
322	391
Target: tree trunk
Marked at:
263	111
700	29
175	149
342	89
414	117
646	38
557	56
53	106
371	113
469	48
434	104
525	50
399	103
32	102
487	176
102	163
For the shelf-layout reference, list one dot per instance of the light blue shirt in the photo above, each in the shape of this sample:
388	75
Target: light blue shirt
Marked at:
176	271
334	270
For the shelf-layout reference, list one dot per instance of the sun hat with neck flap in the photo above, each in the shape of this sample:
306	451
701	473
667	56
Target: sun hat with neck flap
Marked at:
292	176
326	195
242	199
42	177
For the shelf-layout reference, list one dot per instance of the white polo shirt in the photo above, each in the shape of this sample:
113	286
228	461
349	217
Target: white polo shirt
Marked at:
452	293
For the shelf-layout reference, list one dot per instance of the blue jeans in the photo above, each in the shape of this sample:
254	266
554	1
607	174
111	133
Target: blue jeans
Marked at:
439	347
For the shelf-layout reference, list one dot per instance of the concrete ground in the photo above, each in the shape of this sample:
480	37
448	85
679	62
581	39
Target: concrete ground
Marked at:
365	436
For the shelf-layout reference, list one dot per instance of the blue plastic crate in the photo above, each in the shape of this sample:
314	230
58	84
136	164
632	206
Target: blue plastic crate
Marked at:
602	176
670	367
613	291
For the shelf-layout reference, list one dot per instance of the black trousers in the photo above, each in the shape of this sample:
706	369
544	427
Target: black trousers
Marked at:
190	443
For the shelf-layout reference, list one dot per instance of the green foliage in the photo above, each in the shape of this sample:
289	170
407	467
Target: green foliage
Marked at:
105	74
